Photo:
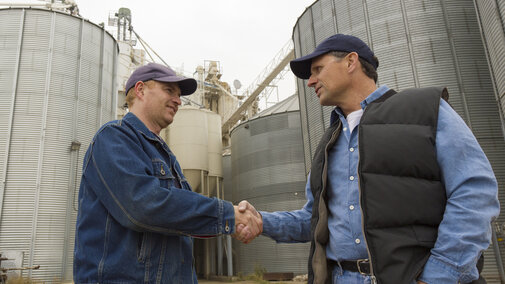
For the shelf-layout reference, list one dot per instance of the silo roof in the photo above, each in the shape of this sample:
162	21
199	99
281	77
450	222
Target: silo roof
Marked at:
288	104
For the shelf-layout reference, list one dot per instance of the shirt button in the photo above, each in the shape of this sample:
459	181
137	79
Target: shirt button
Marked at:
345	128
351	207
358	241
351	149
351	178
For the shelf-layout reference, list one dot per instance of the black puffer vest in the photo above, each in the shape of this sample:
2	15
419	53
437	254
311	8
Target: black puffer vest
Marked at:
402	196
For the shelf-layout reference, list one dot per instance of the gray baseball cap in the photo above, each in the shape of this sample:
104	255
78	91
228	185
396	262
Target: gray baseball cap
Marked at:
161	73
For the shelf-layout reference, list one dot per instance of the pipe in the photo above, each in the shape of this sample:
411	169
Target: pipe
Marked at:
18	4
497	255
220	255
229	255
207	259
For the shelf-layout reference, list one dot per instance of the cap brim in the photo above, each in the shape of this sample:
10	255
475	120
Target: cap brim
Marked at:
301	66
187	85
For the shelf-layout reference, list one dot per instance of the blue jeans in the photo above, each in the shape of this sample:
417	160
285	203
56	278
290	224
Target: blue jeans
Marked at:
340	276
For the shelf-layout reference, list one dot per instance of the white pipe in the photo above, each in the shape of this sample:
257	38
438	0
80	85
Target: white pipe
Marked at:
55	6
220	255
497	255
229	255
15	4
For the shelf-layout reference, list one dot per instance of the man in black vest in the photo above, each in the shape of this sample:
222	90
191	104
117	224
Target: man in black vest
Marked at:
410	200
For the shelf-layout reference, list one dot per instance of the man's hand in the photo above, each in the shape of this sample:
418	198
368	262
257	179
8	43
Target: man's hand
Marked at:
248	222
421	282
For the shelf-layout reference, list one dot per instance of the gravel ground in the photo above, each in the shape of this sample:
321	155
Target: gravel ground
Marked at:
200	281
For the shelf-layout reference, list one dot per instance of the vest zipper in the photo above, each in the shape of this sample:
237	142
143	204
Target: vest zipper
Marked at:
325	167
372	275
325	176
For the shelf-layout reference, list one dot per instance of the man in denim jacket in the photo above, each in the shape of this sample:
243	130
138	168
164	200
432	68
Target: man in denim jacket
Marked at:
137	213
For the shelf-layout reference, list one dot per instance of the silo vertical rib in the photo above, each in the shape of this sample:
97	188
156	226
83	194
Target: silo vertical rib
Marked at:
42	140
75	123
490	62
100	80
114	85
304	119
72	182
367	25
11	117
409	44
334	15
501	12
456	63
315	44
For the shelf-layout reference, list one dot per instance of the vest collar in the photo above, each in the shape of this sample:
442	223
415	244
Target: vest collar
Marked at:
379	92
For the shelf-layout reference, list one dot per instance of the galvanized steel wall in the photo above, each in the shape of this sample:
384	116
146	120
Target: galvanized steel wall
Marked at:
419	43
227	178
491	16
268	171
57	86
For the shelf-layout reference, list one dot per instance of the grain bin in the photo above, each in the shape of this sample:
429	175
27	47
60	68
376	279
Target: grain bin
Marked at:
268	170
419	43
57	86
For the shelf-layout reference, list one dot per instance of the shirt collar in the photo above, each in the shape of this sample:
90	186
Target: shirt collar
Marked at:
337	112
374	95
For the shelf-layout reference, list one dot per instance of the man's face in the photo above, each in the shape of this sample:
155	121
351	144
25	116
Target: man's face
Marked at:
162	101
329	78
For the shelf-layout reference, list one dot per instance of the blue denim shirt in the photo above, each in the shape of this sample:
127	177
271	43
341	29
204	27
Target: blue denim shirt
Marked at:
134	224
470	186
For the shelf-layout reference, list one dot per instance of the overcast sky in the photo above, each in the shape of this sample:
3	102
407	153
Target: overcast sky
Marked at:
243	35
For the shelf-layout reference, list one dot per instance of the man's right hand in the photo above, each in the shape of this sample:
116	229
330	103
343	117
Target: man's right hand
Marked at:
248	222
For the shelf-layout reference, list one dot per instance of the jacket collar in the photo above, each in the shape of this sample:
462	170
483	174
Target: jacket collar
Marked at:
136	123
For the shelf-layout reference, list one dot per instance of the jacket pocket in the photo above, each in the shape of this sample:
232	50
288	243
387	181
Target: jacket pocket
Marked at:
142	246
163	172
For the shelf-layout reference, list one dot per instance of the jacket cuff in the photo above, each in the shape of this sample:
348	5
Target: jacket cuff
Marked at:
268	226
437	270
226	220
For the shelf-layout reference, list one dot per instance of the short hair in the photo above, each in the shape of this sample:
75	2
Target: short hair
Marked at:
130	96
367	68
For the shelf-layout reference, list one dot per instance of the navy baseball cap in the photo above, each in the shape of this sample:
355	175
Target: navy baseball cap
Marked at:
338	42
161	73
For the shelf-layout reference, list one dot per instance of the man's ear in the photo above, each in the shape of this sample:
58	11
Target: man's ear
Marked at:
352	61
139	89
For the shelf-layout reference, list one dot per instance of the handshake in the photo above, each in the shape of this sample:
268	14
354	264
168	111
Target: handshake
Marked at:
248	222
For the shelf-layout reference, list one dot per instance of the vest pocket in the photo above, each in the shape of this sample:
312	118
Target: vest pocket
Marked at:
426	235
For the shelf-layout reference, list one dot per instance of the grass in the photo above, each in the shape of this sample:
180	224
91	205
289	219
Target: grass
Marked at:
257	276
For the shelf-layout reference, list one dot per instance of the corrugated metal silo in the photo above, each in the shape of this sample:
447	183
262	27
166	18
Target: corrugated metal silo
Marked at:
57	86
419	43
491	16
268	171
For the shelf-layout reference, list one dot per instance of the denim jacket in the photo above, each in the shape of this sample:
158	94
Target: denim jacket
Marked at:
134	223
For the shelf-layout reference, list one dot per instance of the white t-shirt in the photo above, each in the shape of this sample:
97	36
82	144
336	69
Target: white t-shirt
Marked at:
353	119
